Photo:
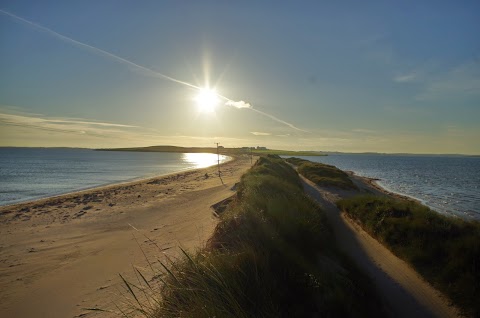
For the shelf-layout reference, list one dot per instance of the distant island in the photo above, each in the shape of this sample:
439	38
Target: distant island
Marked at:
223	150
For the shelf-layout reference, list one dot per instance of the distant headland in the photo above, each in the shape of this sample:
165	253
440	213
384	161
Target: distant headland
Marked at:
258	150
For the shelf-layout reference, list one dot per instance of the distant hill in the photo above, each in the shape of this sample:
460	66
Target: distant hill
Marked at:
165	149
244	150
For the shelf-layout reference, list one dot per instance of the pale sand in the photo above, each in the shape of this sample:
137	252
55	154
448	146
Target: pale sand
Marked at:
62	254
405	292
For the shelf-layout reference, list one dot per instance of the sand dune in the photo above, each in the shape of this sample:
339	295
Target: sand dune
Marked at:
404	291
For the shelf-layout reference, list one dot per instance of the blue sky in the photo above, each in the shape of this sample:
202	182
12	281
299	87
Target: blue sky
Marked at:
386	76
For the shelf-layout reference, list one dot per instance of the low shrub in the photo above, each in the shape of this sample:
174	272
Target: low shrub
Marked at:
445	250
322	174
271	255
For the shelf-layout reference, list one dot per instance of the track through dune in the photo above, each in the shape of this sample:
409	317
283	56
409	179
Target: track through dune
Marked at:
405	292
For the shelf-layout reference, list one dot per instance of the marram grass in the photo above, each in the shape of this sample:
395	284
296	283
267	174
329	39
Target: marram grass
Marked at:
445	250
271	255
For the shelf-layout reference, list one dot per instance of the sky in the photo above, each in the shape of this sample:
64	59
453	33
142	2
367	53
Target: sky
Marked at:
350	76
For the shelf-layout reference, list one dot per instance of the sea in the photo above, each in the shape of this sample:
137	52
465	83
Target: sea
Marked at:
32	173
447	184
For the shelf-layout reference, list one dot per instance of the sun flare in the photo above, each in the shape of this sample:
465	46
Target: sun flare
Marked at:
207	99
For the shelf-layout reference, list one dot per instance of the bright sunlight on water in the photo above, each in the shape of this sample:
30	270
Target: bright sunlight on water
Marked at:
31	173
202	160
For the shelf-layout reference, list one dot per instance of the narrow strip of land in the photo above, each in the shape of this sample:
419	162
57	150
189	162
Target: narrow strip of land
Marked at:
406	293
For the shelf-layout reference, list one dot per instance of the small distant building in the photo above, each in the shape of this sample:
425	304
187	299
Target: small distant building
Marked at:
261	148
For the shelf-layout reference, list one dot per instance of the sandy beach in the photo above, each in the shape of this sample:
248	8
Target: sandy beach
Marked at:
63	254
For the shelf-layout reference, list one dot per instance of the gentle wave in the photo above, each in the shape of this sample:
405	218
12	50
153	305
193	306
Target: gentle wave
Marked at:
32	173
447	184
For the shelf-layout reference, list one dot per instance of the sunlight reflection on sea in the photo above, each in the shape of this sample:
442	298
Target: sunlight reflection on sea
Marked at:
31	173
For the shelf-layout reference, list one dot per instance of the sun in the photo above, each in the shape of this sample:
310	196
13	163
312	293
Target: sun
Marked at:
207	100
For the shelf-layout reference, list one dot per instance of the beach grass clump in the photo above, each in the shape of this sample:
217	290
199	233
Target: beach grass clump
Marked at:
323	174
445	250
262	152
296	161
271	255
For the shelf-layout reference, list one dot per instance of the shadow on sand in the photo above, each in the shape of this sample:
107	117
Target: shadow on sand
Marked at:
399	303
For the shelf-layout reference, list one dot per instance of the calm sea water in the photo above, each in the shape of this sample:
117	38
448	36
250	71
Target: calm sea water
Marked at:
447	184
32	173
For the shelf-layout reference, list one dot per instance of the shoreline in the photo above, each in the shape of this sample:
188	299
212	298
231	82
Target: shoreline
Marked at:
405	292
230	158
449	191
72	247
372	184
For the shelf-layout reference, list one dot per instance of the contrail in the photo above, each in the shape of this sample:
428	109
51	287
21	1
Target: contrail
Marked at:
146	71
241	104
278	120
62	37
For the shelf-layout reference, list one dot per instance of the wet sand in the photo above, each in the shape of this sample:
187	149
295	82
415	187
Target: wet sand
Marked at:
63	254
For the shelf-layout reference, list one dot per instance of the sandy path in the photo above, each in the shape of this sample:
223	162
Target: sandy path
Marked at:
406	294
63	254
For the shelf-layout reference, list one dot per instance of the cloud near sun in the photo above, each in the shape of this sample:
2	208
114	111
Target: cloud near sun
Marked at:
239	104
206	98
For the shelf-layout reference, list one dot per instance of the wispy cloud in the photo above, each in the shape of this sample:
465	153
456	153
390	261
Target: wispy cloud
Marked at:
405	78
92	123
64	125
258	133
139	68
90	133
363	131
239	104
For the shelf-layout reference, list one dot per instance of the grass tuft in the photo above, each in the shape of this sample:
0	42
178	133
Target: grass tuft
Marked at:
445	250
271	255
322	174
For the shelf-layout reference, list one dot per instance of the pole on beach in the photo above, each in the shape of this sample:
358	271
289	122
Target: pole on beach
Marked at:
218	158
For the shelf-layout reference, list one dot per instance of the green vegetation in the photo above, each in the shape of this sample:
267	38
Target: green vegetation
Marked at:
271	255
258	152
166	149
286	152
322	174
445	250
